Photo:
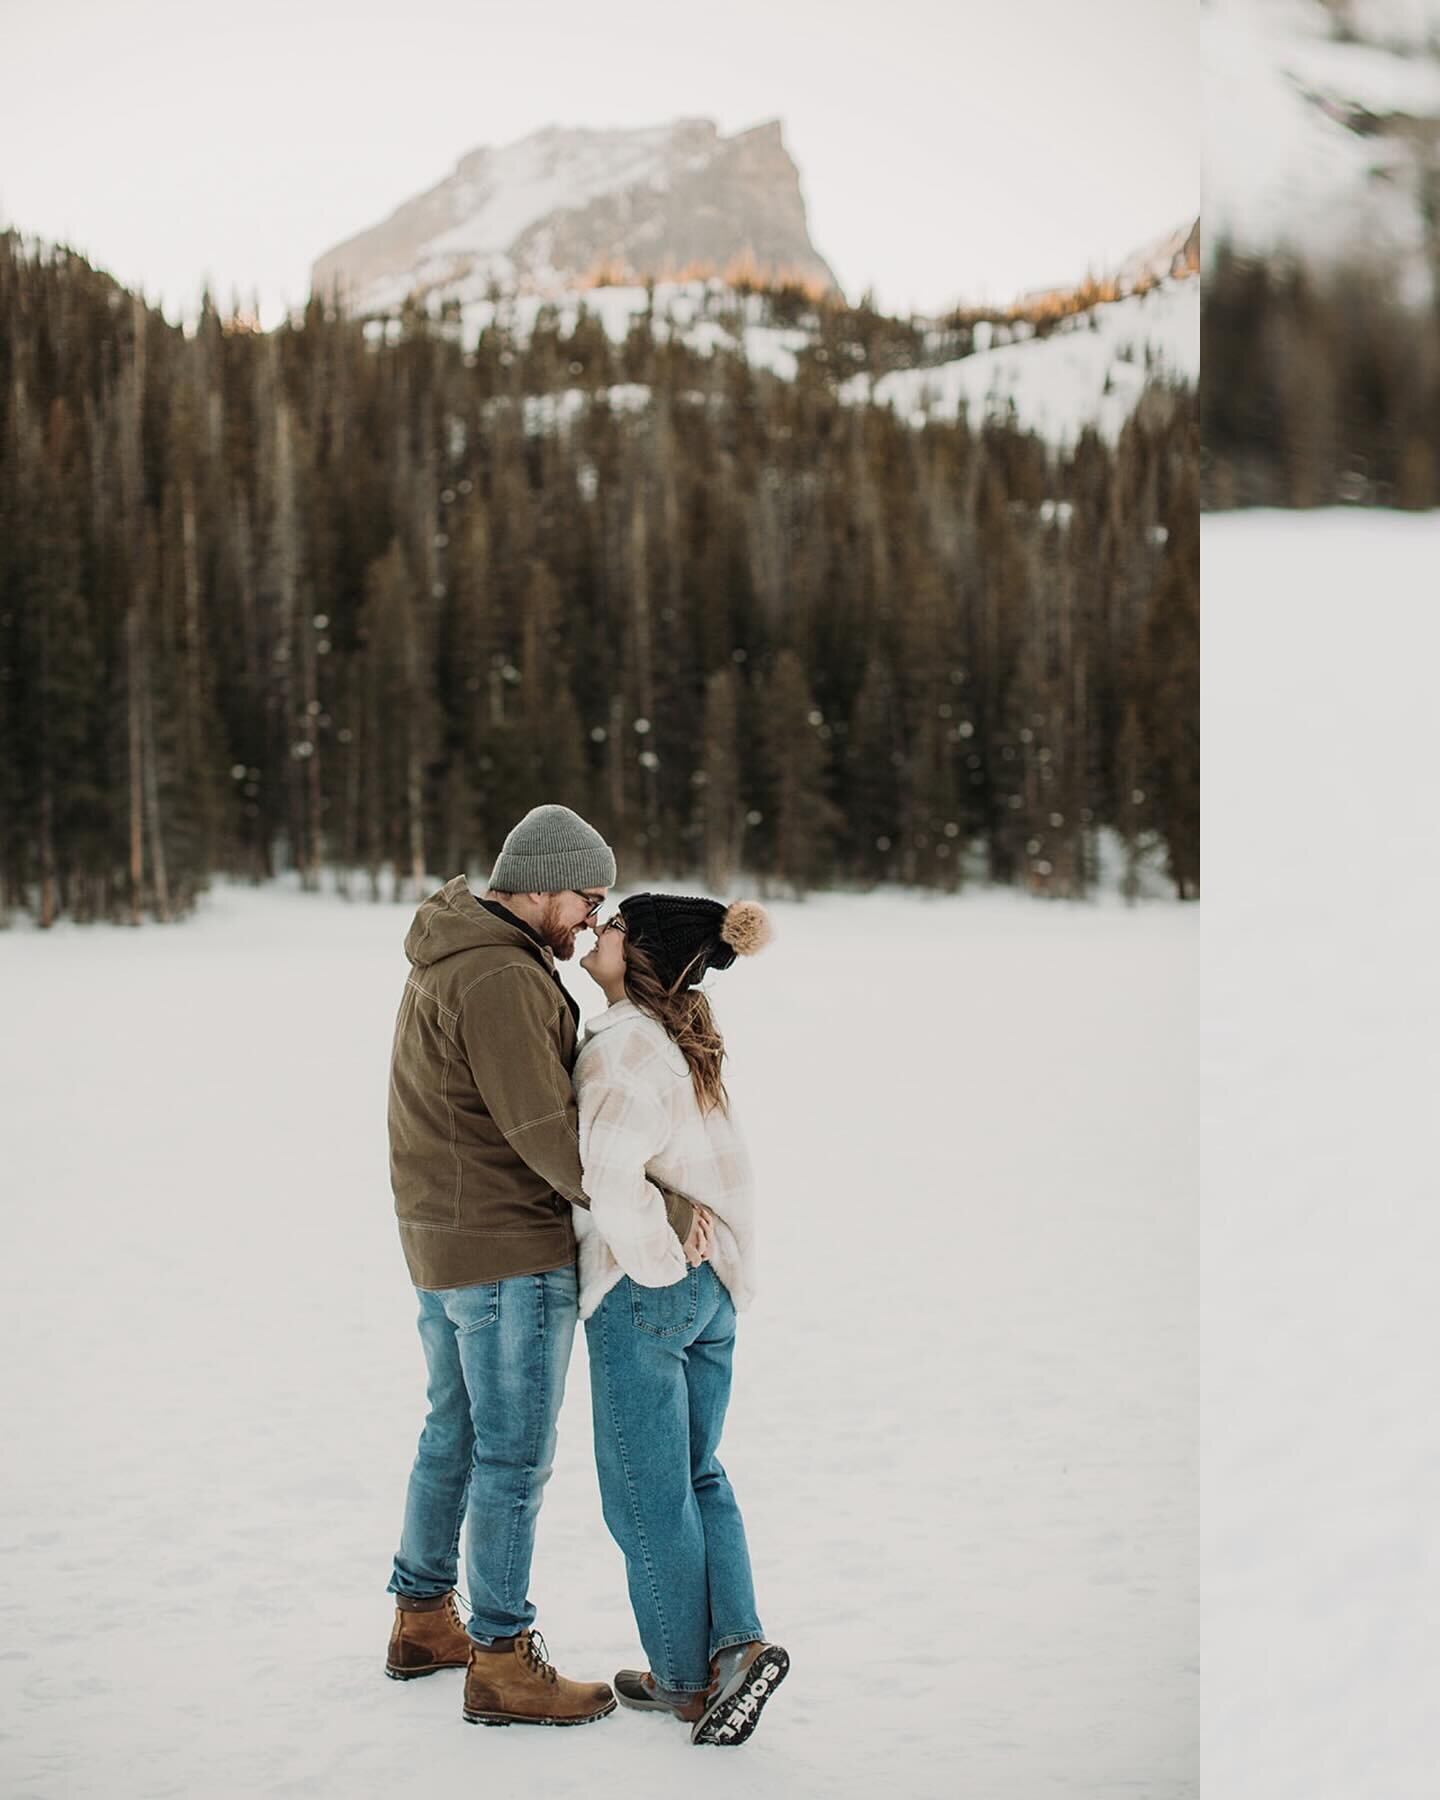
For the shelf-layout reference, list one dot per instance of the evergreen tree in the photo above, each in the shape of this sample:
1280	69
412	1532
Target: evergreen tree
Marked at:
1169	654
804	820
718	779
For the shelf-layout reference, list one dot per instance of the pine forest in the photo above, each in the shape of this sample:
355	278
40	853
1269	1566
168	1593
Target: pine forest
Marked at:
1321	387
347	603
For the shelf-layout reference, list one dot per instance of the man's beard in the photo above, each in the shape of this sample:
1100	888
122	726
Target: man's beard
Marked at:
560	938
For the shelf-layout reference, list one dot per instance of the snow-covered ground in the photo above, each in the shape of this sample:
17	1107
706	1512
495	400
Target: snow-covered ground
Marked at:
963	1429
1322	1230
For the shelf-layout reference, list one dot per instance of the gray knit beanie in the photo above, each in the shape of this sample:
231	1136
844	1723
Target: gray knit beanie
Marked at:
551	851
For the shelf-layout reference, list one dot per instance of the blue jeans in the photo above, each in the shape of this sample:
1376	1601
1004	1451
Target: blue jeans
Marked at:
660	1363
497	1356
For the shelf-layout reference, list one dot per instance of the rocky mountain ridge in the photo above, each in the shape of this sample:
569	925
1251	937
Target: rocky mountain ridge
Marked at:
562	207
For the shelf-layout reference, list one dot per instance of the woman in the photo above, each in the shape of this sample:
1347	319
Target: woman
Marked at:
662	1334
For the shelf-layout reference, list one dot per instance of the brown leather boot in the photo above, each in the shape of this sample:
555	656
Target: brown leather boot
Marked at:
512	1683
427	1635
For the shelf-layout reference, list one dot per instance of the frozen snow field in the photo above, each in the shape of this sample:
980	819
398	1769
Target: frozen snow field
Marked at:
1322	1230
964	1420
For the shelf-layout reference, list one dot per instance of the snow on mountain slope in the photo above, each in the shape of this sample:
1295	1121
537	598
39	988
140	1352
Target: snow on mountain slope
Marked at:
531	226
1089	373
546	211
707	315
1323	128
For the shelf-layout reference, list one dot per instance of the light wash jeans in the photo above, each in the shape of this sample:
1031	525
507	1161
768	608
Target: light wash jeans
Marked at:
497	1356
660	1362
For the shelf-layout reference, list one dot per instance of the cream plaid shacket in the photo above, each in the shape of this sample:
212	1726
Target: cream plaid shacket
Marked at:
639	1117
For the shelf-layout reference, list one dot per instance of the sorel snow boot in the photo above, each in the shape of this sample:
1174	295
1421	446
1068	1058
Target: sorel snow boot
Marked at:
746	1675
427	1635
511	1682
639	1690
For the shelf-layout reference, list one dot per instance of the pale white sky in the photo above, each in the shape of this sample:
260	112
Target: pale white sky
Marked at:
948	149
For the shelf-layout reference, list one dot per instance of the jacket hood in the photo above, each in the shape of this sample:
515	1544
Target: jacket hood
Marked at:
453	920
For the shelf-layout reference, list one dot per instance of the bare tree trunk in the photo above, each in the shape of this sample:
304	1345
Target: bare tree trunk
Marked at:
132	487
415	804
1128	757
191	747
615	767
47	791
350	852
132	683
314	843
1080	788
245	564
372	825
149	762
720	803
286	574
414	771
47	848
641	661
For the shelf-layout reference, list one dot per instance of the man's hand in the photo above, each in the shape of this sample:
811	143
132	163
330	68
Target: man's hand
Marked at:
702	1234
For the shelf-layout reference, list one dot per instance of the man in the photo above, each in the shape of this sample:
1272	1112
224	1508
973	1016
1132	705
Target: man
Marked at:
484	1164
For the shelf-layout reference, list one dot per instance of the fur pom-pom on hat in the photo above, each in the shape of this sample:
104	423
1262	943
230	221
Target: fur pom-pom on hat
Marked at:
747	928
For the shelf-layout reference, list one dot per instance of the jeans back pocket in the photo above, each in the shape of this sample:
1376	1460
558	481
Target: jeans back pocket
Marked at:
668	1311
470	1308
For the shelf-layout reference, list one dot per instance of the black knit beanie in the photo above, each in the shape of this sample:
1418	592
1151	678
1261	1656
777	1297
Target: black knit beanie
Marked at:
677	931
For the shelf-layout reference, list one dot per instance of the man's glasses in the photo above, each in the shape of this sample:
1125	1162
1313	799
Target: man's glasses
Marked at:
592	905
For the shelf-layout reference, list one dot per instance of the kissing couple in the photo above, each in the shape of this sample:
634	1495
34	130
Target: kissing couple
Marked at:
538	1180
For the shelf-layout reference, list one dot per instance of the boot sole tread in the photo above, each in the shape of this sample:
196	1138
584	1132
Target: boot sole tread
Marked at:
480	1718
735	1721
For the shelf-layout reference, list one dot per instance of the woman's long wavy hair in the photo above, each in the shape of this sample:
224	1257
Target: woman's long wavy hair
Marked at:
686	1016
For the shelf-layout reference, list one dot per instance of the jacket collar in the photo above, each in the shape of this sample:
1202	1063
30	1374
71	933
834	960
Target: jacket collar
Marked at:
509	918
614	1015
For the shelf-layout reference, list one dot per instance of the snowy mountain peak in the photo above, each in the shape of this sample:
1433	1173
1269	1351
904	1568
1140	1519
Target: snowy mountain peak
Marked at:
1174	256
547	212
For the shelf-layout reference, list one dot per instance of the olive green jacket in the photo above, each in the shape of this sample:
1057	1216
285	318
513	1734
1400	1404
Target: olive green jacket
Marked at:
484	1156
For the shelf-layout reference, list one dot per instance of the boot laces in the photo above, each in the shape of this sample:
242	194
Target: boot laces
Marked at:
537	1654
